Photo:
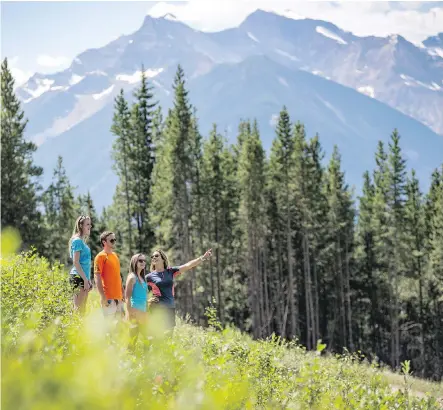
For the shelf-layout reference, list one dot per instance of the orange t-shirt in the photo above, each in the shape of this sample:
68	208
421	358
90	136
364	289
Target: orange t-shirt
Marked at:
107	265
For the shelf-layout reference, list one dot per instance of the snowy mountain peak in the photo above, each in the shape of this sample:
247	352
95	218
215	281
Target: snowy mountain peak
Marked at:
330	34
169	16
288	13
397	40
162	10
434	41
434	45
338	83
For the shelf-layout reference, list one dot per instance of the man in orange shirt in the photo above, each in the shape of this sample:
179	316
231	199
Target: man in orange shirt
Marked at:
108	278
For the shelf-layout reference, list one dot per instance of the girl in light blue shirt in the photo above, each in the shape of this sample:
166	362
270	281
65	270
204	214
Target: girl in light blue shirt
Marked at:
136	294
80	274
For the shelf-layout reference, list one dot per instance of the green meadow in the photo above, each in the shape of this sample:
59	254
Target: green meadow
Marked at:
54	359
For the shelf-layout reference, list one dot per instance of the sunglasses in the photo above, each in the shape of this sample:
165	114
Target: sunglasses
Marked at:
155	256
112	240
142	260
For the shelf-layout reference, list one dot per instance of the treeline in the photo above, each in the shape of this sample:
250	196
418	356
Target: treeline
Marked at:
295	253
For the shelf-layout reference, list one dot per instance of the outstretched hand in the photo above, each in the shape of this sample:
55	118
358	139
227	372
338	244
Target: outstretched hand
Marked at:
207	254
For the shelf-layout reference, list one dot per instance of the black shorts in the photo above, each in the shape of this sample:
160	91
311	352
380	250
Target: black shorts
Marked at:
76	282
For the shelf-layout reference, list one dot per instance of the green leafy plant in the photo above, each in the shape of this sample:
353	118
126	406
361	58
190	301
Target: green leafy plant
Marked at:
77	363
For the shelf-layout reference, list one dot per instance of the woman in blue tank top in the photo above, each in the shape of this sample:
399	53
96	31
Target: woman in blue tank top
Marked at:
136	294
80	274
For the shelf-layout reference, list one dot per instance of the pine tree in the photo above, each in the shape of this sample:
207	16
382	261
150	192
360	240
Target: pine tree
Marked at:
251	177
397	179
213	182
313	231
436	232
142	161
60	214
173	181
235	300
197	212
281	171
122	148
389	223
19	176
430	201
366	284
341	221
134	155
382	249
436	269
415	262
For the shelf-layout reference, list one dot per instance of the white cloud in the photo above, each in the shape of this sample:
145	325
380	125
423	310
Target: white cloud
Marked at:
361	18
12	61
20	76
49	61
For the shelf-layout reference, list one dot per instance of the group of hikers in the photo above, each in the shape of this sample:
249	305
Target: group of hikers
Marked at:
109	281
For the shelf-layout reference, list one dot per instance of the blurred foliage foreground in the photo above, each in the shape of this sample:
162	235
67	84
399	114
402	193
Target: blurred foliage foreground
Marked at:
53	359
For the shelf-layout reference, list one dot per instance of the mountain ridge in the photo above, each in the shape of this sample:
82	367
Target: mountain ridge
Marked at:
74	107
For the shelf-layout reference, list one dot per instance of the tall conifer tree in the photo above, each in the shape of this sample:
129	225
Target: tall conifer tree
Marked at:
19	185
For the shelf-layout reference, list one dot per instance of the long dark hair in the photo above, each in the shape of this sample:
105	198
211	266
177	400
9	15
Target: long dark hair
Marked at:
133	266
163	256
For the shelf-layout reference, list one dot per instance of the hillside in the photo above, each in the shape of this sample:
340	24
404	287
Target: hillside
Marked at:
257	88
352	90
74	364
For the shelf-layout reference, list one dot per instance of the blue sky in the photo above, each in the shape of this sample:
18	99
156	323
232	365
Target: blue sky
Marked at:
46	36
61	30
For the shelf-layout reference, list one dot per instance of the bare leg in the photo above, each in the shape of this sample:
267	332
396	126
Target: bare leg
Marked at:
84	300
80	299
138	322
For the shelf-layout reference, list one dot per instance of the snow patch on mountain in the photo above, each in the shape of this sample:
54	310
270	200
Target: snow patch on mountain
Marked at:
129	78
393	39
368	90
103	93
412	82
85	107
436	52
288	13
316	72
328	33
75	79
59	87
135	77
98	72
285	54
252	37
43	85
282	81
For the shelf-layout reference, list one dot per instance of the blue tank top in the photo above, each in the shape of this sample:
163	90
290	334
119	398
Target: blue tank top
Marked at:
139	295
78	245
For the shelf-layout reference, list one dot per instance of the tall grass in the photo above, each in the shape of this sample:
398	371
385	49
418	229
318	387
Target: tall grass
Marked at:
53	359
